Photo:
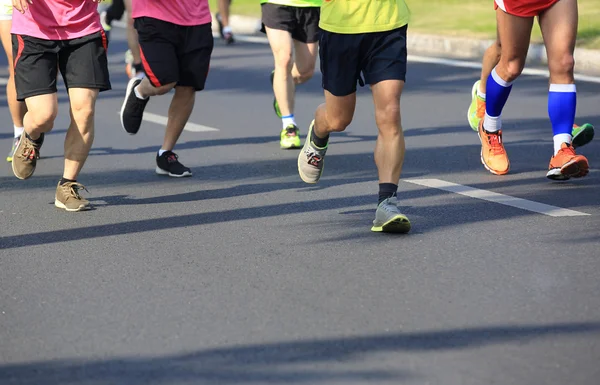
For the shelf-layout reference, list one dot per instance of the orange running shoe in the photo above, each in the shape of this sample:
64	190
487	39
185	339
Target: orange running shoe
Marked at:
567	164
493	154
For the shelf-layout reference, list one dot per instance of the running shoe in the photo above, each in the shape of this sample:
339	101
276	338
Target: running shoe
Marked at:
132	110
493	154
225	35
290	137
25	157
582	135
15	143
275	104
389	219
567	164
311	159
168	164
476	109
68	198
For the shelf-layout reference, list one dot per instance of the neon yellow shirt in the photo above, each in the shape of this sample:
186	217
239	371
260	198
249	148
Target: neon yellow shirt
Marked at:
363	16
295	3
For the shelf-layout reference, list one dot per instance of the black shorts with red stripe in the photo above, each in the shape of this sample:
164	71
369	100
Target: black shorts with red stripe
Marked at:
174	53
81	61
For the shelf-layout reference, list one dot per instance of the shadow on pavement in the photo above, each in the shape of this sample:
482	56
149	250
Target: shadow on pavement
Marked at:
286	362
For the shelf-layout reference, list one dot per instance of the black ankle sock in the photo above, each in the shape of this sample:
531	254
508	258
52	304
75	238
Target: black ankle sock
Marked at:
387	190
36	141
319	142
138	67
65	180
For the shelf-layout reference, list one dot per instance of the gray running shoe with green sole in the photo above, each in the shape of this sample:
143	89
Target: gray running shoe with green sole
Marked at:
311	159
389	219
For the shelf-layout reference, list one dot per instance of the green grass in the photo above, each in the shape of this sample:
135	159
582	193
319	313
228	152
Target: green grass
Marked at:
473	18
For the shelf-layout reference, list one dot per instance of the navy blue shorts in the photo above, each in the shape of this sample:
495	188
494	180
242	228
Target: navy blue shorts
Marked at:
377	56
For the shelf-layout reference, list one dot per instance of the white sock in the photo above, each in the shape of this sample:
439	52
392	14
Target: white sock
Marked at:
559	140
137	93
492	123
18	131
227	29
161	151
480	94
287	120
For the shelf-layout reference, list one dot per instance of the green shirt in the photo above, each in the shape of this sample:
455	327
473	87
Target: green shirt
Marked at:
363	16
295	3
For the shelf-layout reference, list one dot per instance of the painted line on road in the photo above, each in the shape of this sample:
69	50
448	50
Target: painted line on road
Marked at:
162	120
491	196
441	61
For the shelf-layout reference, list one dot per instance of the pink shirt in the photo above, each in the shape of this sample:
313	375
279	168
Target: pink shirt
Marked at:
180	12
57	19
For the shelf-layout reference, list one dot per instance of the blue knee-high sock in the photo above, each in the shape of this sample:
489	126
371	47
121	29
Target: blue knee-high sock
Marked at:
562	103
497	94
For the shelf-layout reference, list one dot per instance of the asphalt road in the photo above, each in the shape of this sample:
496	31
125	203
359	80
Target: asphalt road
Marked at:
243	274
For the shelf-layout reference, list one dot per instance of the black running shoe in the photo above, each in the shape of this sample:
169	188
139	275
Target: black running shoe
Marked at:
133	107
168	164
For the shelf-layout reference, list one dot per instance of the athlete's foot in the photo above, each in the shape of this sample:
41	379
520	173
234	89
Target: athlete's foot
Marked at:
132	110
168	164
567	164
68	197
290	137
25	157
493	154
275	104
389	219
582	135
15	143
476	108
311	159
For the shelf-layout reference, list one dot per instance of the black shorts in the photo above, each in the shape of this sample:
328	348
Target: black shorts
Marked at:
378	56
173	53
82	63
301	22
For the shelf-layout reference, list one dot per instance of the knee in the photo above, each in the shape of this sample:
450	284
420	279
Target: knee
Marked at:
283	60
43	117
83	109
513	69
338	123
562	65
305	75
388	119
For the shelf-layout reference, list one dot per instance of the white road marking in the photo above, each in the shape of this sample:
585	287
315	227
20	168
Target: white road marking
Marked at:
491	196
162	120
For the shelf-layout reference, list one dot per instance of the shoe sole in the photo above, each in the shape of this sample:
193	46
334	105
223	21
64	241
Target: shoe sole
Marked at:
289	147
584	137
485	165
398	224
60	205
473	95
573	169
129	89
160	171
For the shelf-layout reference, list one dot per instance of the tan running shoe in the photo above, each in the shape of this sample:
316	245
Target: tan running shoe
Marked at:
68	198
25	157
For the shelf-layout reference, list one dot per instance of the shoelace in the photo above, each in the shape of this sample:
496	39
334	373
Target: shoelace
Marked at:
495	141
29	150
314	159
74	188
172	158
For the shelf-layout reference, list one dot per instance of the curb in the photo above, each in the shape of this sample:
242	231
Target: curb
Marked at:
447	46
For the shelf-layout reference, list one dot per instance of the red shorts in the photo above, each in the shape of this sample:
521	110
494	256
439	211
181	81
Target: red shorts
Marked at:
524	8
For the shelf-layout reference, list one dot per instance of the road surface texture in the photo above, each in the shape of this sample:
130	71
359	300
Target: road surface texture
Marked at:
243	274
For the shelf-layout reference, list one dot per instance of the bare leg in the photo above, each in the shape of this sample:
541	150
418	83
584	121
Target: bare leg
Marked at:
180	110
80	134
17	109
283	82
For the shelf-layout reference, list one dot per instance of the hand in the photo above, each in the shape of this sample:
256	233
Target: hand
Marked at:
21	5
